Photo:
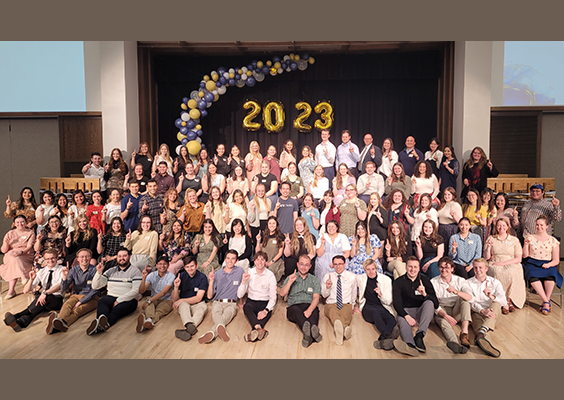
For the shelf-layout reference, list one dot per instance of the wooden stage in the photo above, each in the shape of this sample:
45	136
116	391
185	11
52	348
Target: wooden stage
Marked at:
524	334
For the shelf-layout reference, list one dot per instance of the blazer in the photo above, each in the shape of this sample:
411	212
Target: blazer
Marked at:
385	284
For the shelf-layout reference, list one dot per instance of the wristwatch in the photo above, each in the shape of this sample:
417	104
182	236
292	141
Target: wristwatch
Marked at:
148	300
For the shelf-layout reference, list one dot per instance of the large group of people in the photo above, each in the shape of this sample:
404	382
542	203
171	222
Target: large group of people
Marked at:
367	230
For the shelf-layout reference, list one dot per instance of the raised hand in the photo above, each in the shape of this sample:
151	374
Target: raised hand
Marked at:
211	275
328	284
32	274
259	237
490	165
418	242
145	207
144	273
421	288
128	235
488	291
445	163
454	246
377	290
555	202
177	282
292	278
215	159
100	268
68	240
8	202
246	277
162	236
277	205
65	272
372	151
390	180
181	178
351	149
129	204
127	176
466	182
196	243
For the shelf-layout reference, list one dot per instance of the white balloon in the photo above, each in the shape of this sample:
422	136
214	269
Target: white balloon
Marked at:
280	70
213	72
240	83
214	91
286	57
178	149
185	117
288	69
244	77
194	95
302	65
226	75
231	70
259	77
221	90
199	140
244	69
197	121
208	105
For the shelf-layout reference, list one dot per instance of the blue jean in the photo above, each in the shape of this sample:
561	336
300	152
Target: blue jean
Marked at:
433	269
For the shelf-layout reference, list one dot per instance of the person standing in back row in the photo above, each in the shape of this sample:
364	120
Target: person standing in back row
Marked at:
325	154
410	156
348	154
370	152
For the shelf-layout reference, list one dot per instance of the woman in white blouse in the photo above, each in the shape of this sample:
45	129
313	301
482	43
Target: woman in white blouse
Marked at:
424	181
389	157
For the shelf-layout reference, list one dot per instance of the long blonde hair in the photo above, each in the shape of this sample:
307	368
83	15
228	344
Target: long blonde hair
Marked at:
315	175
264	198
308	238
244	203
257	153
87	231
212	201
339	177
167	158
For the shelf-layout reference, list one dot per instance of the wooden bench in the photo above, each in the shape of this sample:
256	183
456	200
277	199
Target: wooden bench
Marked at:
519	185
69	185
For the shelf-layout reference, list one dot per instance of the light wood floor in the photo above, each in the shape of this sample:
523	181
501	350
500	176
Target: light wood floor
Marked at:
524	334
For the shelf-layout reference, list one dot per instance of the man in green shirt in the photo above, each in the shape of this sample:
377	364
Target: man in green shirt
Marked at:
303	290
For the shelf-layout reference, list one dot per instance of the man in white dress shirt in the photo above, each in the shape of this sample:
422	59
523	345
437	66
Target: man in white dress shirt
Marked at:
370	152
340	290
348	154
454	295
369	183
325	153
260	282
488	297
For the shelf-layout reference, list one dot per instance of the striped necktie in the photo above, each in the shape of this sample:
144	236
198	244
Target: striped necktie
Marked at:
339	293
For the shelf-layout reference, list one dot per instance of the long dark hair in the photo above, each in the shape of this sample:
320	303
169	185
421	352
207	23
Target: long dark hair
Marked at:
20	203
277	233
215	236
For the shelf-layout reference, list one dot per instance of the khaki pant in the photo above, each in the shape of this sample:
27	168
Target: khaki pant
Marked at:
461	311
478	320
193	313
397	267
222	313
344	314
70	314
158	309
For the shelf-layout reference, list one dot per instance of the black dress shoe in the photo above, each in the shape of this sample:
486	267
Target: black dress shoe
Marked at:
419	345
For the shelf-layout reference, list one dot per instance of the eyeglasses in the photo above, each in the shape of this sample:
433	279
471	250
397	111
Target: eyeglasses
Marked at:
337	264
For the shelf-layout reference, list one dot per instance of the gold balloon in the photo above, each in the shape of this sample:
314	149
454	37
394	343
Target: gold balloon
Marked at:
201	94
216	97
215	77
194	113
231	75
180	136
326	120
198	127
193	147
277	65
269	63
240	71
210	85
249	73
183	123
206	78
248	123
311	60
299	121
192	103
183	106
260	64
278	109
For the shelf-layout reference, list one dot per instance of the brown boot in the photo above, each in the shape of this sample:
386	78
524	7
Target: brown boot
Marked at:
464	340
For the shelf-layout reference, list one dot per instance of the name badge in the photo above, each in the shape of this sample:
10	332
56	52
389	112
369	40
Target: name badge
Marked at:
263	181
94	212
417	293
125	280
147	237
89	282
274	242
235	282
23	237
264	287
196	289
309	290
470	242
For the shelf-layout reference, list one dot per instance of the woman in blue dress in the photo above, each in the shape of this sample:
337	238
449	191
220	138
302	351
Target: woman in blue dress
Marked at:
364	247
311	215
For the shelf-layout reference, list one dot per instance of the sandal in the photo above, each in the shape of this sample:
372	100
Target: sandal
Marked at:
545	310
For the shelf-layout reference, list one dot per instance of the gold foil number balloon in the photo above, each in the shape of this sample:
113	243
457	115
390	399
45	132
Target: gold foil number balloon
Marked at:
326	120
299	121
248	123
278	109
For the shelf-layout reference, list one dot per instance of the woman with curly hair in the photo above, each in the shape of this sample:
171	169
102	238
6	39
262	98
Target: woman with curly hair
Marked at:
299	242
205	246
170	209
364	247
430	248
175	244
26	206
83	236
424	181
115	171
398	210
398	180
52	236
477	169
110	242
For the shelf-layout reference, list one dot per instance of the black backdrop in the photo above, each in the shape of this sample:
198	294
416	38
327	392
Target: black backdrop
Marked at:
385	94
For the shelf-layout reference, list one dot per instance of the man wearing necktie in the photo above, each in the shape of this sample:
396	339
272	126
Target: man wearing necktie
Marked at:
49	297
369	153
339	289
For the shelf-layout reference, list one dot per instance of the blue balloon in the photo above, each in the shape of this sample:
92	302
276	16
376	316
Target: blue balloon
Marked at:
185	100
219	84
190	124
222	80
221	70
203	113
184	130
191	135
237	77
250	67
254	63
265	70
305	56
184	141
178	122
203	146
201	104
208	97
294	66
275	59
257	70
202	84
250	81
199	132
284	65
231	82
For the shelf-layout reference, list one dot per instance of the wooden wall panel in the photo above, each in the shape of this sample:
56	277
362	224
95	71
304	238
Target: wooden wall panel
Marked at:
79	137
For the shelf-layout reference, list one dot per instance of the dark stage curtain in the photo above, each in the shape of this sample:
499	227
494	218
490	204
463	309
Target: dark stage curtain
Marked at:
388	95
